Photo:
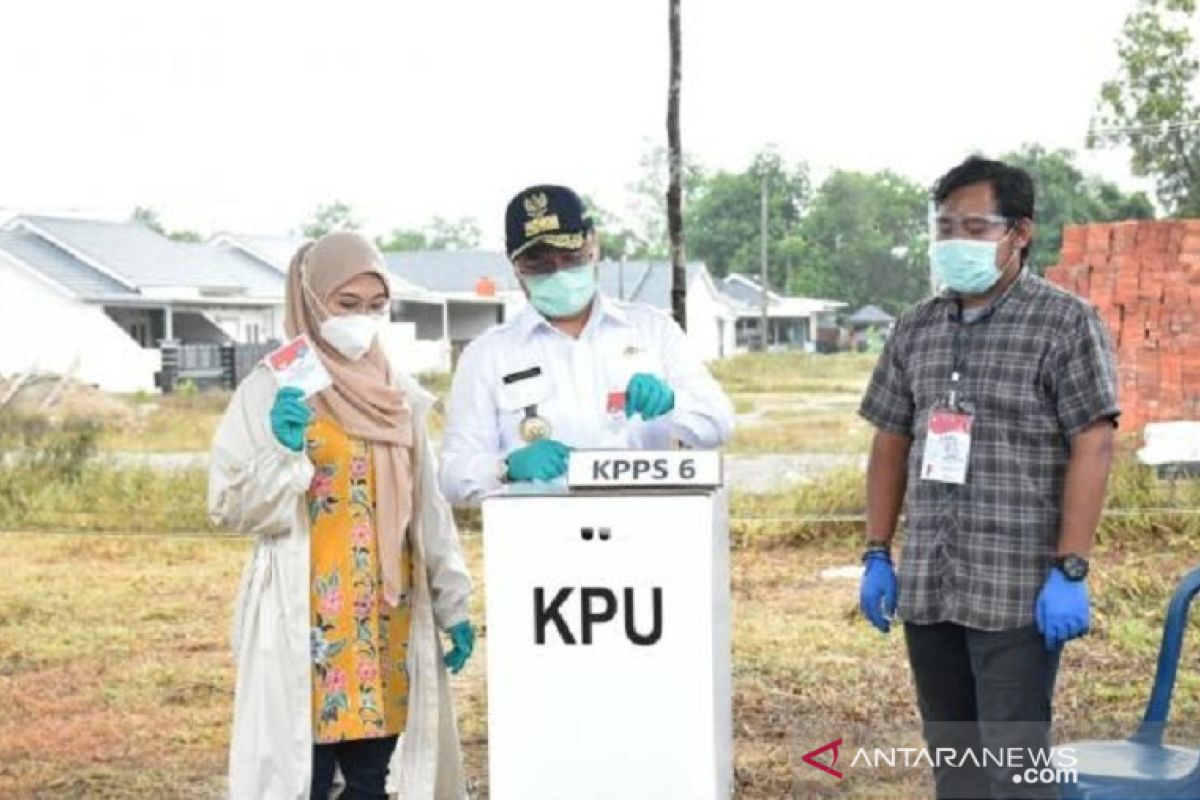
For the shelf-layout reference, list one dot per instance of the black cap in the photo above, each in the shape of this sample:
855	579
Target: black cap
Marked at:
545	214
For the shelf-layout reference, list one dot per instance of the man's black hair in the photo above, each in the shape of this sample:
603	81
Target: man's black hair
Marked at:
1012	186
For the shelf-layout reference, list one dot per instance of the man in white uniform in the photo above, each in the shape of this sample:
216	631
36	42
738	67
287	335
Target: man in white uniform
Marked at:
574	369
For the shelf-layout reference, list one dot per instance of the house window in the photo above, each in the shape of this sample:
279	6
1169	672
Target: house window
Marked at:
140	332
252	333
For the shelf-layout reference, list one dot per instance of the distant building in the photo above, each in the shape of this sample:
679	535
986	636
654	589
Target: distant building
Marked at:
793	323
121	306
98	299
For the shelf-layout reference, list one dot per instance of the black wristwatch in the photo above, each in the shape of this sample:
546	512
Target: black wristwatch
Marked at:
877	546
1074	567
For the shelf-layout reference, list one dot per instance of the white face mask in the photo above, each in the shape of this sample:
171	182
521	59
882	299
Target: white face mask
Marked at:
351	334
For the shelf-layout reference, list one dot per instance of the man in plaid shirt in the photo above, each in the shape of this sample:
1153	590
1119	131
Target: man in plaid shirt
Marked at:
995	408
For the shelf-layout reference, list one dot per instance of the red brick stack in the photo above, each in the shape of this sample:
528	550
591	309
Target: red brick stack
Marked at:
1144	278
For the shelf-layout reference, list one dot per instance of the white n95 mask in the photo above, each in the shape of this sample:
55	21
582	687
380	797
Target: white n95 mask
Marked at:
351	334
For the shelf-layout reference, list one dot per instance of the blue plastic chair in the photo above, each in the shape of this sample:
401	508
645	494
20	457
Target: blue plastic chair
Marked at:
1142	767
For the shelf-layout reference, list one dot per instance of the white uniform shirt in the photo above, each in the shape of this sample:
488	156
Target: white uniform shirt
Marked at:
571	391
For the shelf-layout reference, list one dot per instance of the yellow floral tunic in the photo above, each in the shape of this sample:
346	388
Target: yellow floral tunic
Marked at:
359	644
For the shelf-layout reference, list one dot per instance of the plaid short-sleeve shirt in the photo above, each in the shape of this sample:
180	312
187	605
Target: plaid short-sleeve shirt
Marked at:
1037	368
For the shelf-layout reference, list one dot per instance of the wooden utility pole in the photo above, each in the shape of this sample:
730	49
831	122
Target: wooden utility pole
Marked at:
765	335
675	184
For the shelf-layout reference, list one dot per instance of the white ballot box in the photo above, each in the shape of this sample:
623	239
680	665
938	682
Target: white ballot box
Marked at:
608	632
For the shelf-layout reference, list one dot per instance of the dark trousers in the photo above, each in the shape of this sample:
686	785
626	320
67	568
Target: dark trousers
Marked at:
364	764
989	691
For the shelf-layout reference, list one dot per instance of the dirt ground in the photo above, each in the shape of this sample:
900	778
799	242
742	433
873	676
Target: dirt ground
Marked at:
116	682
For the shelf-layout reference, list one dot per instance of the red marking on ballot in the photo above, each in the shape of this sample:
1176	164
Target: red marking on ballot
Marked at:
942	422
288	354
811	758
616	402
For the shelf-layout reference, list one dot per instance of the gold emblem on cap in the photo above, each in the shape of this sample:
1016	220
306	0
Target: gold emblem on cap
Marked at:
533	428
536	205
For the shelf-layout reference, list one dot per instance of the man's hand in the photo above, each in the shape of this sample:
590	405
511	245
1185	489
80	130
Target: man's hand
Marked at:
877	594
1063	610
649	396
543	460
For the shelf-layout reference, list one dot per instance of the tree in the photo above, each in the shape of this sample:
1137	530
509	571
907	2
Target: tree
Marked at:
439	234
1066	195
330	217
724	218
149	217
458	234
1151	105
649	205
402	241
616	241
865	239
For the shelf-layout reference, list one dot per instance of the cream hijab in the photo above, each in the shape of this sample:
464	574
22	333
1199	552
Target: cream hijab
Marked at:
363	399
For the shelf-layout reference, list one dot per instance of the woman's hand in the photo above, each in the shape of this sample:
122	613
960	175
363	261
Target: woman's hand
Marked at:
463	637
290	417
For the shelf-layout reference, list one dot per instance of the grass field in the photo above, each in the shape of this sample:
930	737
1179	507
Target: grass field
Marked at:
116	681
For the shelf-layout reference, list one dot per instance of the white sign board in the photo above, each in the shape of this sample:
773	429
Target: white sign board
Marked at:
646	469
609	646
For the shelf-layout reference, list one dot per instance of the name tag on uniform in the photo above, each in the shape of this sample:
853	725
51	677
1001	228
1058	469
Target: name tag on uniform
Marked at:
947	447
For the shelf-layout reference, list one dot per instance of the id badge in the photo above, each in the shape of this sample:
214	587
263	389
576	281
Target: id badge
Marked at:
947	446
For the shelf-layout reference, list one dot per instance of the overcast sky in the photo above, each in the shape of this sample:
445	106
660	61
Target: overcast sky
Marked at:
245	115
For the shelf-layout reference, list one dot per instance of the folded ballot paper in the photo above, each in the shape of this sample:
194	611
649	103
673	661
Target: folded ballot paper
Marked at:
297	364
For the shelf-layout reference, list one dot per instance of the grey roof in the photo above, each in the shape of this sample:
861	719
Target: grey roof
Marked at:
258	278
452	270
646	282
146	259
870	315
60	266
748	294
276	251
138	254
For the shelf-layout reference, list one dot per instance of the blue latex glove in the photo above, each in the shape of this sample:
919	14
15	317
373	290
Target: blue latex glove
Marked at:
543	460
290	417
462	636
1063	610
649	396
877	593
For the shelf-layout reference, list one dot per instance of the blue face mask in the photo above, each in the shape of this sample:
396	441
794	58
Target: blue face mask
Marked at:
966	266
563	294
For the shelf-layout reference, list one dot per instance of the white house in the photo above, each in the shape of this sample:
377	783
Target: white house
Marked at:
711	316
799	323
103	301
442	299
97	299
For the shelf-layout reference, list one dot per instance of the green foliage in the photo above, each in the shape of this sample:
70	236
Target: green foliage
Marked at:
403	241
616	240
865	240
648	238
1065	195
459	234
439	234
43	451
330	217
149	217
1152	107
723	222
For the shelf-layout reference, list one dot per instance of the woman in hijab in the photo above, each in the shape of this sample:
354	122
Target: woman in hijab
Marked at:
357	562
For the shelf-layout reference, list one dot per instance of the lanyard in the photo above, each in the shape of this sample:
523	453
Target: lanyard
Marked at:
960	342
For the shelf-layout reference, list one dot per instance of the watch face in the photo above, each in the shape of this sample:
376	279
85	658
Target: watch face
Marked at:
1074	567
